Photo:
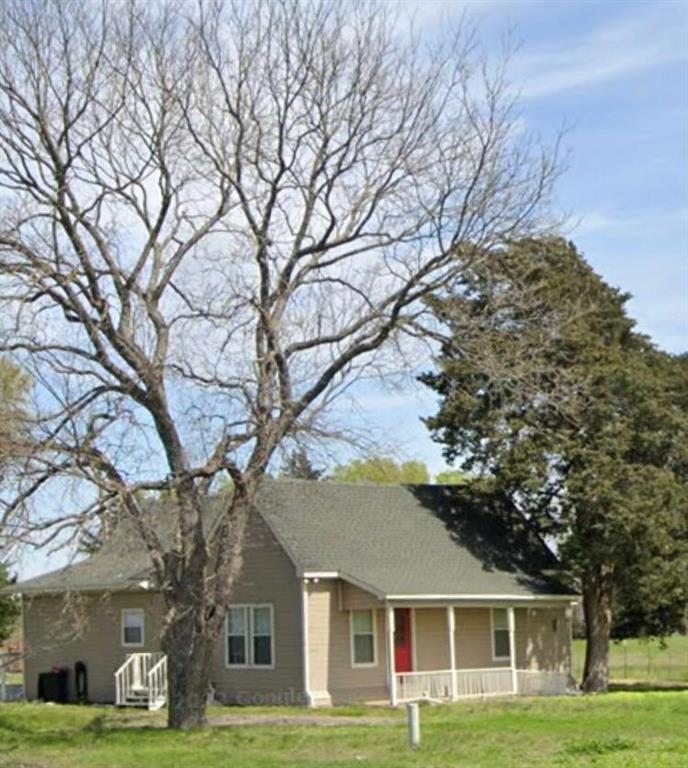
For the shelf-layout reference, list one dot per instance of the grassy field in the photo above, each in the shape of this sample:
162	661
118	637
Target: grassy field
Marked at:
620	729
642	661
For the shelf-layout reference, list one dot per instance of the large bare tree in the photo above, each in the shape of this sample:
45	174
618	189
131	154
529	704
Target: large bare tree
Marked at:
214	217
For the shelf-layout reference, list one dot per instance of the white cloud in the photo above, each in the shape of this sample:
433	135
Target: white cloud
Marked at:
651	36
629	223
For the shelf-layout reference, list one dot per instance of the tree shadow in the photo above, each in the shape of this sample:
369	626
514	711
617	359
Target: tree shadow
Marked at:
491	528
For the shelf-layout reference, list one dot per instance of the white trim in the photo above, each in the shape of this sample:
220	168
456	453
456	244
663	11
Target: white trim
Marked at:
513	598
142	614
305	644
414	656
451	636
248	636
492	632
511	624
373	619
389	628
320	575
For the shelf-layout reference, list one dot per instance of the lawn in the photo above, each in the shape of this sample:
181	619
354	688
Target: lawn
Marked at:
642	661
619	729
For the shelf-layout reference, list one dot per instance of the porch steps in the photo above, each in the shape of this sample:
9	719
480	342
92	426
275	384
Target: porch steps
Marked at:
142	681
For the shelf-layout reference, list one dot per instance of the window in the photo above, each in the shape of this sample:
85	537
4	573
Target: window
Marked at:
363	638
133	627
500	634
249	636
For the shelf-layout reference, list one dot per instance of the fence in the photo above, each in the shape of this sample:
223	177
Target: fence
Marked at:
637	660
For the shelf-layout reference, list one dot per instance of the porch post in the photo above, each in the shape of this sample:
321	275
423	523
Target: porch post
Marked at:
512	648
389	625
451	627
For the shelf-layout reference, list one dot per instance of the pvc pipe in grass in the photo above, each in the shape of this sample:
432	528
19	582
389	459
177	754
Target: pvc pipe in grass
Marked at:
413	712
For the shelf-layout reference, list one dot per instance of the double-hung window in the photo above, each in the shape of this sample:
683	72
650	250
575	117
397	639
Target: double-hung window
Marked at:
133	633
363	638
250	636
500	634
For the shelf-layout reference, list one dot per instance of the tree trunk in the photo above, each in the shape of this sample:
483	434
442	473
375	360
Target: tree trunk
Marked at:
597	607
197	608
189	664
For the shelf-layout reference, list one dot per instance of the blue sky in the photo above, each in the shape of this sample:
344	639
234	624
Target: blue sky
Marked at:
616	73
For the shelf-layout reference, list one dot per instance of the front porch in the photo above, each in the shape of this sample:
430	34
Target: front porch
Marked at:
414	639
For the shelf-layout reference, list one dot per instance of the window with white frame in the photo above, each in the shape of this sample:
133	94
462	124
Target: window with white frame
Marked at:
500	634
363	638
250	636
133	622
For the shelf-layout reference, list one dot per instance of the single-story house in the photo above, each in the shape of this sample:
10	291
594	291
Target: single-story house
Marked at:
347	593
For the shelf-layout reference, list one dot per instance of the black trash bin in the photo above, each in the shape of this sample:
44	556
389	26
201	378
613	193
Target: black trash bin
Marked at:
53	686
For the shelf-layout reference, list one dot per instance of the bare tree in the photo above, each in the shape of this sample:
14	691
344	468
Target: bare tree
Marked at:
214	217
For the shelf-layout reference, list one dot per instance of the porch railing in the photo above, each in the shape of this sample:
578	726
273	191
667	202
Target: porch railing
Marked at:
424	685
483	682
478	683
157	685
142	681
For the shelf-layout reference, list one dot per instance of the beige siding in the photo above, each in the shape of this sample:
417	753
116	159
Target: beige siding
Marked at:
543	638
431	636
473	639
329	641
353	598
60	632
538	645
268	576
88	629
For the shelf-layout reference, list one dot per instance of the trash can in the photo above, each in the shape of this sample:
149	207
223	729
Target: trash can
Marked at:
53	686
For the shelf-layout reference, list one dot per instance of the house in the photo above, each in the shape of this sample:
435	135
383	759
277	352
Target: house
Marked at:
349	593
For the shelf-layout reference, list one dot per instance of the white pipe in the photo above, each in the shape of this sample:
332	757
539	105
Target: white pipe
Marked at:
413	712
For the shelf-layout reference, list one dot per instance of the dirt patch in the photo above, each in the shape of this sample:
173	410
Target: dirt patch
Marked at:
244	719
298	720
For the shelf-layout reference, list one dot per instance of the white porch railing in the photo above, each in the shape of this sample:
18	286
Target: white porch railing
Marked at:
478	683
483	682
424	685
142	681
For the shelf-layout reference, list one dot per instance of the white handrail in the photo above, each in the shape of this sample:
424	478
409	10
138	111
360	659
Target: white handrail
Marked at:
157	684
132	678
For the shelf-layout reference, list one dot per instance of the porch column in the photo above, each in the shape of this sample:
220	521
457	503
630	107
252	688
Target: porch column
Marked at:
512	647
389	625
451	627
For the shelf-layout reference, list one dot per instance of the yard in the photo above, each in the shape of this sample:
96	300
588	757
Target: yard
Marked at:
620	729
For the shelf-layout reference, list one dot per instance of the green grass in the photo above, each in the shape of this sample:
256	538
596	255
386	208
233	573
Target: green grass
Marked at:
15	678
642	661
620	729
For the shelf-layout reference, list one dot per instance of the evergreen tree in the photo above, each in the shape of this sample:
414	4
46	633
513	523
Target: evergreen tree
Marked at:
9	608
298	465
548	392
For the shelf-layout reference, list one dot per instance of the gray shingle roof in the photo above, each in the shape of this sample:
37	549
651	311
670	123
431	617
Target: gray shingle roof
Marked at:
409	540
398	540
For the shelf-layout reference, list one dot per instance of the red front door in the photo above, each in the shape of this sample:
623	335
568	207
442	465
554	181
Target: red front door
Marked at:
403	658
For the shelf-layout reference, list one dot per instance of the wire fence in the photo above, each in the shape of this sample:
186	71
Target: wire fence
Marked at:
642	661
